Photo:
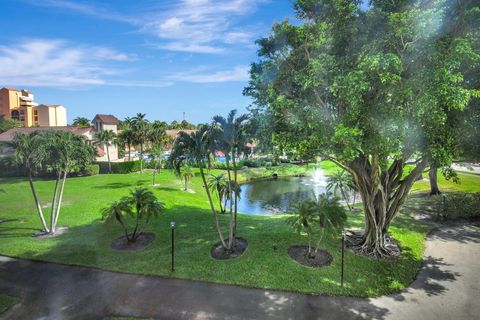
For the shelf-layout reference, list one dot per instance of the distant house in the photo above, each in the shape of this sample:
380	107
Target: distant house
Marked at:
100	122
104	122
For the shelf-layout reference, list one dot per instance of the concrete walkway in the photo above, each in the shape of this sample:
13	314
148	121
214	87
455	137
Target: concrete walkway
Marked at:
447	287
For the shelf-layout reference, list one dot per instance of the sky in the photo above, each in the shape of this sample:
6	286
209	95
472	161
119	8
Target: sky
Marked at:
121	57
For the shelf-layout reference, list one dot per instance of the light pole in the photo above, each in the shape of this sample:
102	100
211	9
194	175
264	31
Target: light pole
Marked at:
172	226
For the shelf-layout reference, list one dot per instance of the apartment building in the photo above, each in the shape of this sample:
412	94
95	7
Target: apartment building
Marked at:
20	105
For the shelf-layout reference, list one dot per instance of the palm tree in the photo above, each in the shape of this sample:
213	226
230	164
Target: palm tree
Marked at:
197	147
142	205
340	181
141	128
230	135
66	152
30	154
186	174
316	218
107	138
127	135
219	184
157	138
81	122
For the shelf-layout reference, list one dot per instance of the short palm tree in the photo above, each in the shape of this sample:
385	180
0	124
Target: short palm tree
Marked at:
186	174
107	138
316	218
219	184
340	181
141	205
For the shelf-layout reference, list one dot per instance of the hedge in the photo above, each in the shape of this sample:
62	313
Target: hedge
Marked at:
458	205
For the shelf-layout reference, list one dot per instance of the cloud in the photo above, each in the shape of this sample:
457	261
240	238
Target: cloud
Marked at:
197	26
44	62
239	73
202	26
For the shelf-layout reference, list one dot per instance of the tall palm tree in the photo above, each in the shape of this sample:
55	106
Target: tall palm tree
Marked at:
107	138
127	135
66	152
141	128
197	147
219	184
142	205
81	122
29	155
157	138
230	135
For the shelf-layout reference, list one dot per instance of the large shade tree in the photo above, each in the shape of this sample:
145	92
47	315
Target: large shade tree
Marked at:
371	90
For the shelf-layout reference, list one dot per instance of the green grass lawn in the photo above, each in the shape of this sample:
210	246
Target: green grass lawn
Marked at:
6	302
265	264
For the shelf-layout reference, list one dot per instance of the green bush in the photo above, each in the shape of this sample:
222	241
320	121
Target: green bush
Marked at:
121	167
8	168
454	206
91	170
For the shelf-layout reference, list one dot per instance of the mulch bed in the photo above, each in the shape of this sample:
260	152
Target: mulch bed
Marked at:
143	240
299	253
219	253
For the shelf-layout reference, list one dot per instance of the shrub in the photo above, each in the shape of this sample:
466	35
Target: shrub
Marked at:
120	167
8	168
454	206
91	170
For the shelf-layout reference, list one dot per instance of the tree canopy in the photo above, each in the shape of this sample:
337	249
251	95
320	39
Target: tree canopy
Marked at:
371	90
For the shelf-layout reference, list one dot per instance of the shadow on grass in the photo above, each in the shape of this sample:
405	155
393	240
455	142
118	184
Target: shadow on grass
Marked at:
120	185
8	230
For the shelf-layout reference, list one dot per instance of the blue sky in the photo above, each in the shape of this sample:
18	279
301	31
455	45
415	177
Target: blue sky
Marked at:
161	58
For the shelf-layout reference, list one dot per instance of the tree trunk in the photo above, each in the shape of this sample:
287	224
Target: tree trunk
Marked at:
59	202
231	225
383	194
433	177
108	159
236	193
129	151
212	206
37	203
141	158
54	205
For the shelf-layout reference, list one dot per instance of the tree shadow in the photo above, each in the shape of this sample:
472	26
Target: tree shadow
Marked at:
120	185
13	231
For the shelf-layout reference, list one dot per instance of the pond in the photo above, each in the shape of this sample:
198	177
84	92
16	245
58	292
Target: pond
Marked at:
275	196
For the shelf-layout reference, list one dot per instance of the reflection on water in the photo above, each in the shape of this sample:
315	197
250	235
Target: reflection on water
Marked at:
269	197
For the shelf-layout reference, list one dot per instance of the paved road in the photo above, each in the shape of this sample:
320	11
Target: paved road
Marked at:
447	287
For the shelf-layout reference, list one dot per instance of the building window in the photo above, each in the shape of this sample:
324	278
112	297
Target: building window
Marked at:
15	115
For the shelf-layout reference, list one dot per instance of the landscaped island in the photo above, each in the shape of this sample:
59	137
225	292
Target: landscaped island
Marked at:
264	264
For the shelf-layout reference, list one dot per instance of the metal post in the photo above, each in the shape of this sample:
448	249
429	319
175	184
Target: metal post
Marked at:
172	226
343	253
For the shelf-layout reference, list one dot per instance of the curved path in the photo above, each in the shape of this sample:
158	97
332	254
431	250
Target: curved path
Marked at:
447	287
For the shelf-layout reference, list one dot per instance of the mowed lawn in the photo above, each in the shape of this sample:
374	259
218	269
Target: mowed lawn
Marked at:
265	264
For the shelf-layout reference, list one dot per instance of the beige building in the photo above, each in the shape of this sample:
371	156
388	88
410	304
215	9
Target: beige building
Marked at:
104	122
20	105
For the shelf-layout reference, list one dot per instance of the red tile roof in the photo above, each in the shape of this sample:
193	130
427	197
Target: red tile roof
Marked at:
8	135
106	118
11	89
